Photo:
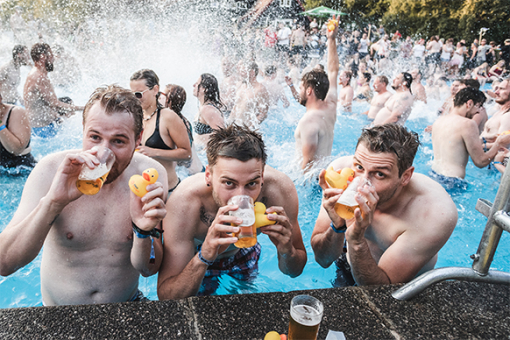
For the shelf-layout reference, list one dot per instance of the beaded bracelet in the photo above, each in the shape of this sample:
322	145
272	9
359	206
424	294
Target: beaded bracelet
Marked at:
201	258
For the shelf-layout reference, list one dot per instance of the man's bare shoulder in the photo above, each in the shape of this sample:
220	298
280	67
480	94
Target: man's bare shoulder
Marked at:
277	187
428	196
191	192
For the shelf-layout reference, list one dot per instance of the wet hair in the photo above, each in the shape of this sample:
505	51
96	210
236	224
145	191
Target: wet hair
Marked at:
252	66
270	70
367	76
408	78
392	138
349	75
466	94
318	81
473	83
383	79
237	142
17	50
115	99
319	67
151	80
211	89
38	50
175	98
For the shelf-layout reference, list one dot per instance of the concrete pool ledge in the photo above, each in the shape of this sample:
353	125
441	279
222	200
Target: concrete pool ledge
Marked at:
448	310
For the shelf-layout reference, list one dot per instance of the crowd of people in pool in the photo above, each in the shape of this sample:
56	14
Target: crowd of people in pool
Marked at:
96	247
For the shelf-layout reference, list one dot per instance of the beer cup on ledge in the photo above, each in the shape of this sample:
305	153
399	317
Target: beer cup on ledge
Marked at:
305	317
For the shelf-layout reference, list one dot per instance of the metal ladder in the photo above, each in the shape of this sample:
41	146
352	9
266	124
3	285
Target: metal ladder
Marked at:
498	221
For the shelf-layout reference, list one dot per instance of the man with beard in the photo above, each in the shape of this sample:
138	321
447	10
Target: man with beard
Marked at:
95	247
45	110
500	121
382	96
199	245
455	138
398	107
10	75
402	221
318	93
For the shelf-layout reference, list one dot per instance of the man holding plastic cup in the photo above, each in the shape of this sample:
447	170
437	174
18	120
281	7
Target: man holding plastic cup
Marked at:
200	225
96	245
403	219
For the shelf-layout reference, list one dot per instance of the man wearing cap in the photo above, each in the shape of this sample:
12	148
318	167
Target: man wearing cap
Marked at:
398	107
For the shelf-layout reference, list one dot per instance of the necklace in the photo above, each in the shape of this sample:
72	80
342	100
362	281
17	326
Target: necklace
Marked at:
152	114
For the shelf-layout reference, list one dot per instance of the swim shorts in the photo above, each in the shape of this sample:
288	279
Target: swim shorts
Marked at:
242	266
138	297
344	276
449	183
46	131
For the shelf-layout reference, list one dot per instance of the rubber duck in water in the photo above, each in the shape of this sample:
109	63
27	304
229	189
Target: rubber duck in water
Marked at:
138	184
339	179
261	219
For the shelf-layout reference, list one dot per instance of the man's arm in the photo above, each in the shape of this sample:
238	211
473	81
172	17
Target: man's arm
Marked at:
295	94
47	192
327	245
48	93
262	97
147	213
475	149
286	233
182	271
333	65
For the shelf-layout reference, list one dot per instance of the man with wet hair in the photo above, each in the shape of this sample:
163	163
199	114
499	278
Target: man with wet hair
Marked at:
500	121
382	96
398	108
402	220
42	104
318	93
95	247
199	245
274	88
252	98
346	94
10	75
455	138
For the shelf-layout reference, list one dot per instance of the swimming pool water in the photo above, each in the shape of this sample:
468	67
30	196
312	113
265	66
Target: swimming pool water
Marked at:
22	289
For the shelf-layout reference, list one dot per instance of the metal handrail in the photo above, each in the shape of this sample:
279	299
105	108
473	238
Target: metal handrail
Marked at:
498	221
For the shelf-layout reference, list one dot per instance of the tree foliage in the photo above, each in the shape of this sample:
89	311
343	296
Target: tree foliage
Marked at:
458	19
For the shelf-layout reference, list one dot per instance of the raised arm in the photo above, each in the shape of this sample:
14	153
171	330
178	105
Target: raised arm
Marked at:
333	65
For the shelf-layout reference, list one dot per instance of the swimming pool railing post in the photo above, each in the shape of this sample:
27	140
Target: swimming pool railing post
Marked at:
498	221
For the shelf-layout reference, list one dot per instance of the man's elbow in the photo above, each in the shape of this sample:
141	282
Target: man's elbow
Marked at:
322	261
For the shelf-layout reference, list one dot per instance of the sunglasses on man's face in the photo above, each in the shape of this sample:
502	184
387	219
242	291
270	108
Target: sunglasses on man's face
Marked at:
139	95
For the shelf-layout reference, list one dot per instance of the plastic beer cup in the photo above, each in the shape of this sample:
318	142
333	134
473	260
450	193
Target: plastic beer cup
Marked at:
90	181
247	234
305	317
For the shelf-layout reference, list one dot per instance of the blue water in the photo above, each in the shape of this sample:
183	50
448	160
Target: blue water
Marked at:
22	289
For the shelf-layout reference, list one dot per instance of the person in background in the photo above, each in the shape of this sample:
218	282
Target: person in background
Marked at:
173	97
210	116
165	136
10	75
14	137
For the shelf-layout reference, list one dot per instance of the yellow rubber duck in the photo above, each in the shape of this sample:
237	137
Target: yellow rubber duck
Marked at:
138	184
339	180
332	24
507	132
275	336
261	219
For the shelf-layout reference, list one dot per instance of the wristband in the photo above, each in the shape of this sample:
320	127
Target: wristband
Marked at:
141	233
484	144
3	127
201	258
338	231
291	85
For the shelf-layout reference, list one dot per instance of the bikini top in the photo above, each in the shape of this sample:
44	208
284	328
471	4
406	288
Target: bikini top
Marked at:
155	141
204	129
10	160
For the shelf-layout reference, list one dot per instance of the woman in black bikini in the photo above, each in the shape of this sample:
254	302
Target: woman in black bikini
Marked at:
14	137
174	97
165	137
210	117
